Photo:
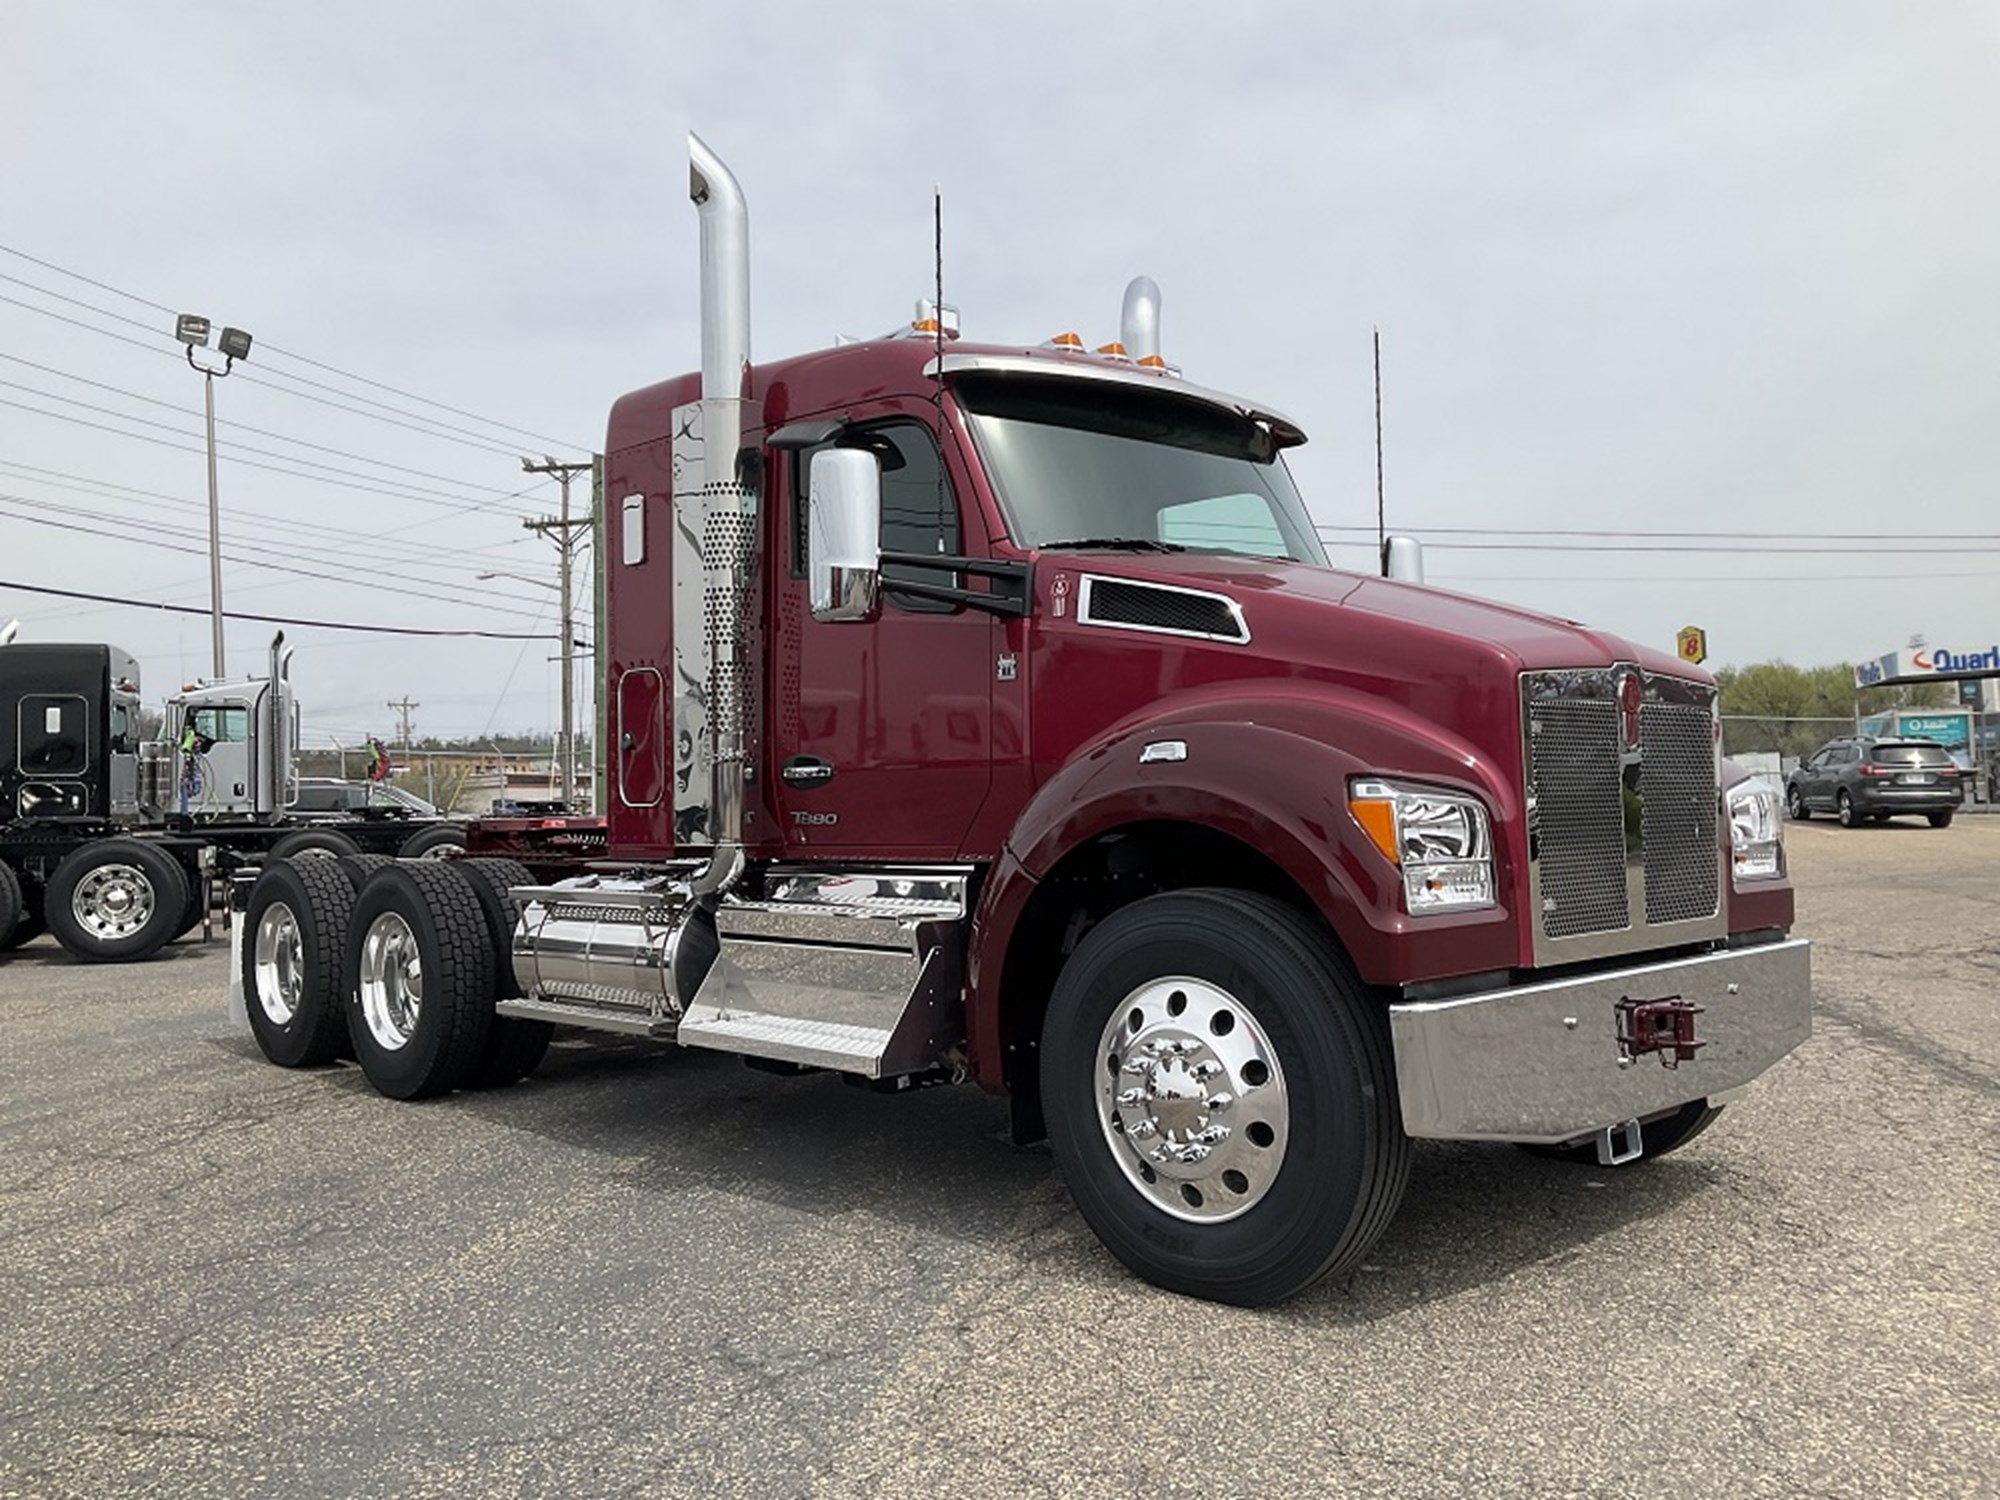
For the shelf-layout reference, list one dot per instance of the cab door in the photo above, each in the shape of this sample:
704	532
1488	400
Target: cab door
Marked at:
882	729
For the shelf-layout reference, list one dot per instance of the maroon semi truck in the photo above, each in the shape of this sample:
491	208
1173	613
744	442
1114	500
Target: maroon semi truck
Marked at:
992	712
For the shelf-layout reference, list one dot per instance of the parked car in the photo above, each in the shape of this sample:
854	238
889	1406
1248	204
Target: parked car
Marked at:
1858	778
319	794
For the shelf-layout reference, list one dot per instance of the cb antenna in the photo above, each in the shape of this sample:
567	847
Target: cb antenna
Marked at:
1381	513
937	326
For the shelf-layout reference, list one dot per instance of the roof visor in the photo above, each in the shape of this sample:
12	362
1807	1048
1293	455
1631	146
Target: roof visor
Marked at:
1285	433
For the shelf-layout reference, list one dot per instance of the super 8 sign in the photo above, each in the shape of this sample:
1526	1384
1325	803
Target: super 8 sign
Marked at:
1692	644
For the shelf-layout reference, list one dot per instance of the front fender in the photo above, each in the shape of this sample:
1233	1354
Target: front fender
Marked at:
1270	772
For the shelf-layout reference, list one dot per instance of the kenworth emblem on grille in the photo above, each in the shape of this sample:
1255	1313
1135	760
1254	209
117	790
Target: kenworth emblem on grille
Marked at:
1631	697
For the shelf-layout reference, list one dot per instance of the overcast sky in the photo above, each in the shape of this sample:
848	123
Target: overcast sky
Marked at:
1707	268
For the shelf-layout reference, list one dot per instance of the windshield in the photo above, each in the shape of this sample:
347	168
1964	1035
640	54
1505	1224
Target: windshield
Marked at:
1132	467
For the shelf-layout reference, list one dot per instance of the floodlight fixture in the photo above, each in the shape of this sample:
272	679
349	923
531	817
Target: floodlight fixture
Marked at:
192	329
234	343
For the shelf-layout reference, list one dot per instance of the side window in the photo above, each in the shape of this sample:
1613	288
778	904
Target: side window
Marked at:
221	725
51	736
919	507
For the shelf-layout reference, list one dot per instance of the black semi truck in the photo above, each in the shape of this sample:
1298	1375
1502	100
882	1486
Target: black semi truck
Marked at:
116	843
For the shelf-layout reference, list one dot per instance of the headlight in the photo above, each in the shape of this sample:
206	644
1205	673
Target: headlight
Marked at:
1756	831
1440	840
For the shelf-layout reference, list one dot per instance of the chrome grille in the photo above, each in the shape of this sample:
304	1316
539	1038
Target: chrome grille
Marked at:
1623	812
1677	785
1579	815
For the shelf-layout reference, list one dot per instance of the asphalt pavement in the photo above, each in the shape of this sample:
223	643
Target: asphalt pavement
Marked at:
647	1272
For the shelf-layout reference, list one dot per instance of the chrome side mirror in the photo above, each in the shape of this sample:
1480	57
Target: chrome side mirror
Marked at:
844	534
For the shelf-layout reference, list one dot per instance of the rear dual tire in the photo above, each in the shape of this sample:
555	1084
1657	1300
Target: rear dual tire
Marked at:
419	977
293	934
515	1047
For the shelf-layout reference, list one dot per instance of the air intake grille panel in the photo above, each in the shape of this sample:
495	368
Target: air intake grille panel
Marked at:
1126	605
1624	832
1677	784
1579	815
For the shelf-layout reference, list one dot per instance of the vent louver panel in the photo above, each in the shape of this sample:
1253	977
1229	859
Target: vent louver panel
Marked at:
1147	606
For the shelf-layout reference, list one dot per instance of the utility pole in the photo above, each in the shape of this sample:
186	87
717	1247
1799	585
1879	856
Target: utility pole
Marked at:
404	708
564	529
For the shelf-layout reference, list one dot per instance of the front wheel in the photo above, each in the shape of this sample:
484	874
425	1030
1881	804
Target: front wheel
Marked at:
1220	1097
116	900
1795	805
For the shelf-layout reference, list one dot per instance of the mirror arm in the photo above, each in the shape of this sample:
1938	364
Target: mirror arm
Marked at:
1013	582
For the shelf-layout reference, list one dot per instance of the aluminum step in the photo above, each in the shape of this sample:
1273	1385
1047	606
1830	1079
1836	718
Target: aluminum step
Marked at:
625	1020
860	973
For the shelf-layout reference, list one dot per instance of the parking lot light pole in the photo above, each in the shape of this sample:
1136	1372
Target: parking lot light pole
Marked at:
192	329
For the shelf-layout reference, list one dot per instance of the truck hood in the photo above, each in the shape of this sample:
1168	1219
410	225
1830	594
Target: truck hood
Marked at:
1452	660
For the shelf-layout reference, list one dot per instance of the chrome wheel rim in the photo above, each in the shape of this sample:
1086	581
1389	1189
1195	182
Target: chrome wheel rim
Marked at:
440	851
113	901
1192	1099
279	959
392	981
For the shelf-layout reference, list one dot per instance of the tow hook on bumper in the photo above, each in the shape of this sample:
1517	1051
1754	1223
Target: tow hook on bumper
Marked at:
1567	1059
1662	1026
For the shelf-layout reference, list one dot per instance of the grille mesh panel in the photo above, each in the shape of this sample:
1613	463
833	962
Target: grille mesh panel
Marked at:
1579	815
1677	779
1114	602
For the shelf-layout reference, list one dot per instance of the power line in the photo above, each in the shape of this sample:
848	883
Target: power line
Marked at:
290	458
271	348
405	492
30	517
103	489
440	430
232	614
365	575
188	411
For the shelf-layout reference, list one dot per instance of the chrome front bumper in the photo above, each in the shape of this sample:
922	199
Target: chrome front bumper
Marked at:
1544	1062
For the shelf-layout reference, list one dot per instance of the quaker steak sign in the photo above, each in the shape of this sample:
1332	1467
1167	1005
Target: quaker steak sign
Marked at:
1919	662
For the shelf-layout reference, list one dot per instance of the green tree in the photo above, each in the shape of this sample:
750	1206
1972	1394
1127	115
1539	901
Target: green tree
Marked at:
1774	705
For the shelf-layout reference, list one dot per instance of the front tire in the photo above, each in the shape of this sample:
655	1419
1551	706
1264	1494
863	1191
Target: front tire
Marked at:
1795	805
1220	1097
116	901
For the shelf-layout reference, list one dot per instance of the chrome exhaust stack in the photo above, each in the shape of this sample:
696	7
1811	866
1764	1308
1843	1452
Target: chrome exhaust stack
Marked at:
1139	321
715	540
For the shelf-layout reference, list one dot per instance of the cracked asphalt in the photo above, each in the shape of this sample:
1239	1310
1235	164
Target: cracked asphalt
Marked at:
645	1272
